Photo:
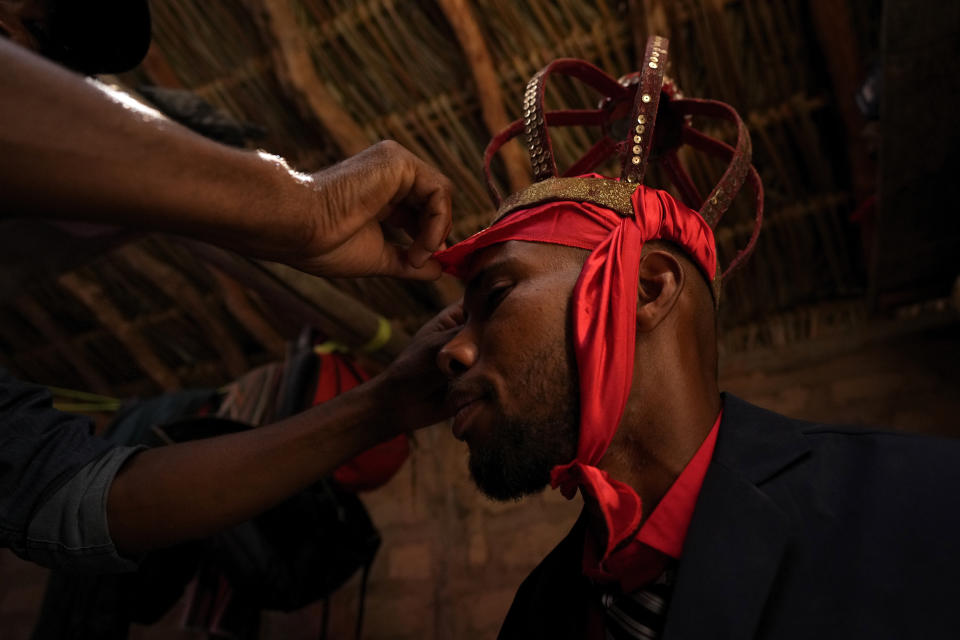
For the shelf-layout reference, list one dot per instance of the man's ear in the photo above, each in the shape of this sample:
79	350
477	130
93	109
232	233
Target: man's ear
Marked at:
658	289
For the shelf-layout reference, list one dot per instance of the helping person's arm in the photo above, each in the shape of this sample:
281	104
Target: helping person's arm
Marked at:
194	489
72	150
190	490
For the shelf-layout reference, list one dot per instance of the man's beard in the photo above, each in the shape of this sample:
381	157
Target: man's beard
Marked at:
517	457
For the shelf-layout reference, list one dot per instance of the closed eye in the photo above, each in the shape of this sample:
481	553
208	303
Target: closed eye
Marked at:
495	297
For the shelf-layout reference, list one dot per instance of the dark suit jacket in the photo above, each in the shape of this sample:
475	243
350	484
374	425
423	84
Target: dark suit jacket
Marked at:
801	530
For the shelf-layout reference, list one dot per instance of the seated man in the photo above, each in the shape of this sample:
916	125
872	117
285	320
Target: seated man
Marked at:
588	361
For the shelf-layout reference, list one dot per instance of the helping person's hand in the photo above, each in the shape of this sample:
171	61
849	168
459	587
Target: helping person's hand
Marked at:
357	199
413	388
83	151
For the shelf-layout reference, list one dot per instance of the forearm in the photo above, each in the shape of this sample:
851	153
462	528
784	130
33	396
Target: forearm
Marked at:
69	150
190	490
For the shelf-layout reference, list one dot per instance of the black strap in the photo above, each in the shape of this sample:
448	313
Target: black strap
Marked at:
363	598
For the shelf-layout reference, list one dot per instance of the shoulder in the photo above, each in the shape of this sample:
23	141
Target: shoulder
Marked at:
838	476
899	451
751	427
883	457
848	472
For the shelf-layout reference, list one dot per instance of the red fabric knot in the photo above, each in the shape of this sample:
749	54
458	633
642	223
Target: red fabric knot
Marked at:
563	478
618	503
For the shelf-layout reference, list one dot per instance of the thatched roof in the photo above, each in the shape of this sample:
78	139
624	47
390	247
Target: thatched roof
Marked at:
325	79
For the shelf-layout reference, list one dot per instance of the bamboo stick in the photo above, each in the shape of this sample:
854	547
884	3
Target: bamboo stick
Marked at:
313	300
350	321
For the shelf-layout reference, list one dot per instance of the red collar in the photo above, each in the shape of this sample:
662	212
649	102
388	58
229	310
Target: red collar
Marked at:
661	537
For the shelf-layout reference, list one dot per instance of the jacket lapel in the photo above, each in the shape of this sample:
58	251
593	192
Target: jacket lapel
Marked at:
738	535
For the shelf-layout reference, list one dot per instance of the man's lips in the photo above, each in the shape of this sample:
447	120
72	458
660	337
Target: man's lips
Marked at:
465	401
463	416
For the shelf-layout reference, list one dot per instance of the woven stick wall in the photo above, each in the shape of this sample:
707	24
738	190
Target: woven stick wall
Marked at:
325	79
397	70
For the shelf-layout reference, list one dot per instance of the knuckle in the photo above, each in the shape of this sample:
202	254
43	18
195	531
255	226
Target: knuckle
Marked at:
390	147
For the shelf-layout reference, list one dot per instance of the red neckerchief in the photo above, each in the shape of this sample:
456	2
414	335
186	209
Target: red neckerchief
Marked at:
604	307
661	537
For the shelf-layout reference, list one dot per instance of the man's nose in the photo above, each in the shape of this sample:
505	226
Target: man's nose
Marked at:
458	355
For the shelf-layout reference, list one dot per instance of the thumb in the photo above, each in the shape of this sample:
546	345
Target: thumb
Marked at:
395	262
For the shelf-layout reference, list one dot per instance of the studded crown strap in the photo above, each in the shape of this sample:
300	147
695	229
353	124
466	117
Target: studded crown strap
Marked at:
644	113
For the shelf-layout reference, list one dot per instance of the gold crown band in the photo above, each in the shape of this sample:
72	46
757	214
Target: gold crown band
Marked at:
608	194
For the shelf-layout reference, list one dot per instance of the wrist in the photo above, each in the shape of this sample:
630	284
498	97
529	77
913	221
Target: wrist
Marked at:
260	207
285	223
384	416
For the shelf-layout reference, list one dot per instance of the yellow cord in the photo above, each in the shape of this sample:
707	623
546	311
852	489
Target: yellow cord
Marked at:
377	342
380	338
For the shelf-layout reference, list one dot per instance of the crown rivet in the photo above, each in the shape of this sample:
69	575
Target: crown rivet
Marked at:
635	159
645	97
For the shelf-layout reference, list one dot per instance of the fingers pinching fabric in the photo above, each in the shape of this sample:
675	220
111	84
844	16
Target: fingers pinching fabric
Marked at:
613	218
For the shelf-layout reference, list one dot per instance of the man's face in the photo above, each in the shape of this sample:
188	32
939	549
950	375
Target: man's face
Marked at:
513	373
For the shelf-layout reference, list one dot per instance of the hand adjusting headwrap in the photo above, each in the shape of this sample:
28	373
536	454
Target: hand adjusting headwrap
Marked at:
613	218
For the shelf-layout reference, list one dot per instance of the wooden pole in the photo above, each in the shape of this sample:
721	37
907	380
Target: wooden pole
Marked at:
460	16
310	299
295	66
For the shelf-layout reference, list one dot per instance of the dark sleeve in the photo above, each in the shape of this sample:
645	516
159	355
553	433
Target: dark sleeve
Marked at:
41	449
70	530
